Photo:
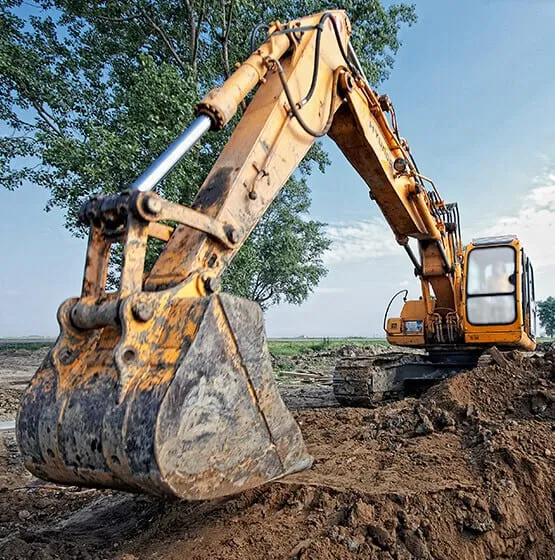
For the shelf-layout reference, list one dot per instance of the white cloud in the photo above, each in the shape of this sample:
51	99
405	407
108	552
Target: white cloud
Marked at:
534	222
360	241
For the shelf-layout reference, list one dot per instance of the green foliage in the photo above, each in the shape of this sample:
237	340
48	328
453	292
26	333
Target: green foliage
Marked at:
281	261
29	346
294	347
546	310
91	92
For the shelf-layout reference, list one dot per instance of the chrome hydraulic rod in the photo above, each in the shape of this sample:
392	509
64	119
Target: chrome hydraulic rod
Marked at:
167	160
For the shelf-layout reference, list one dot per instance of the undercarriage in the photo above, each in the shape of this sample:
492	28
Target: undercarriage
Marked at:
368	380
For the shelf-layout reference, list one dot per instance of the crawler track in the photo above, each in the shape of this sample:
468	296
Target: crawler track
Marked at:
368	380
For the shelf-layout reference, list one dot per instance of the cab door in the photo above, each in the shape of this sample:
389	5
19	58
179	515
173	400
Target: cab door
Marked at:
499	296
532	311
529	309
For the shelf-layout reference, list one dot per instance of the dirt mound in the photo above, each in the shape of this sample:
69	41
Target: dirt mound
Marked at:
467	471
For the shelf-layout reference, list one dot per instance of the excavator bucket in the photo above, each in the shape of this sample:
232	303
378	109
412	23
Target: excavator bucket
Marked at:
166	391
191	410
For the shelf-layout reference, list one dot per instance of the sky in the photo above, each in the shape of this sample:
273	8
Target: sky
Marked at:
473	86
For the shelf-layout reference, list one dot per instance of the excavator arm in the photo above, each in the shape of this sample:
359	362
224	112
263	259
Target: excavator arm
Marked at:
276	131
166	386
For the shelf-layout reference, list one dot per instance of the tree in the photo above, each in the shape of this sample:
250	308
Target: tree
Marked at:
281	261
91	92
547	315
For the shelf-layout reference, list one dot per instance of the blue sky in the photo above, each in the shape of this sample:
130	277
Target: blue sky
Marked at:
473	86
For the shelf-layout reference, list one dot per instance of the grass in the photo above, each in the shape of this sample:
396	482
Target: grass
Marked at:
293	347
7	346
278	347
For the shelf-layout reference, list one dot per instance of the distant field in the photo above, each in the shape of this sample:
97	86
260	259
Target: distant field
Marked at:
4	347
278	346
294	346
32	343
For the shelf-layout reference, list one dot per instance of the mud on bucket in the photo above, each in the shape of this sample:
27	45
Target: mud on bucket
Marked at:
198	416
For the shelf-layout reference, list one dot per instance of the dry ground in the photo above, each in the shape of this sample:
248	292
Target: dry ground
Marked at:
465	472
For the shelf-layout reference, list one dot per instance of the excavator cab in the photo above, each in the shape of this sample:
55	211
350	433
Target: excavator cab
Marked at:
497	306
499	297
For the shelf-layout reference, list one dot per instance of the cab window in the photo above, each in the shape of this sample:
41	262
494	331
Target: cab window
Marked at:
491	286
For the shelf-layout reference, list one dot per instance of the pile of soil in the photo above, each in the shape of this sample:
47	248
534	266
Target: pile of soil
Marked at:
467	471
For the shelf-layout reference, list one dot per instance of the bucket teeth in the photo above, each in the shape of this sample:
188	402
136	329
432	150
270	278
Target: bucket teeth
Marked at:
211	423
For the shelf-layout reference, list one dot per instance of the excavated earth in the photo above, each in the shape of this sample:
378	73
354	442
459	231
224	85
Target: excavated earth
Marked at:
466	472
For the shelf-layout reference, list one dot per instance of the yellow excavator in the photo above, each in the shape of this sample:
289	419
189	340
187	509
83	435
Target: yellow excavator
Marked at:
166	386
